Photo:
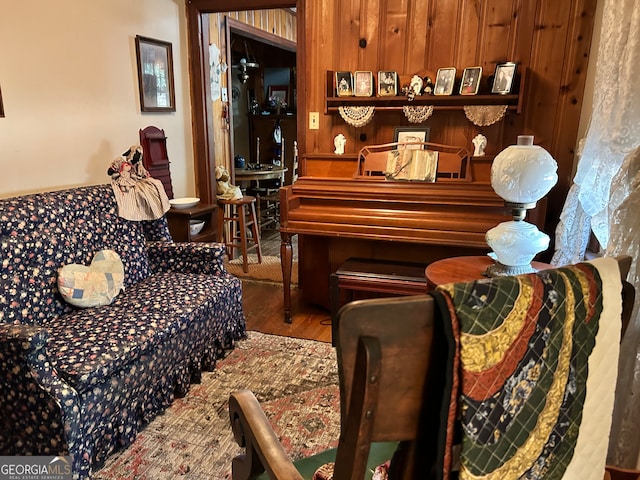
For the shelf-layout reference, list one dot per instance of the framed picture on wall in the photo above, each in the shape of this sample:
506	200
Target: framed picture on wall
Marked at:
344	84
155	75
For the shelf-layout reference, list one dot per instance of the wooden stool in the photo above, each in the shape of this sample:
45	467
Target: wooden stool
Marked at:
371	275
233	225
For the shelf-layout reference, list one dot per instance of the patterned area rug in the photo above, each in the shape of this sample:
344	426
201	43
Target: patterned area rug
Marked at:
296	382
269	269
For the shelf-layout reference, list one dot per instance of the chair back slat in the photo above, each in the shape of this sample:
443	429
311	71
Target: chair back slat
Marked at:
400	331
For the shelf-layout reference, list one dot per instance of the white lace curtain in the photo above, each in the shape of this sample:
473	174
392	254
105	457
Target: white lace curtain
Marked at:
609	208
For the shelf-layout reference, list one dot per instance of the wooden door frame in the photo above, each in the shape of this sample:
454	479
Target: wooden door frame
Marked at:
201	109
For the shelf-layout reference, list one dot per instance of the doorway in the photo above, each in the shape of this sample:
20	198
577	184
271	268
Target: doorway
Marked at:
262	105
202	119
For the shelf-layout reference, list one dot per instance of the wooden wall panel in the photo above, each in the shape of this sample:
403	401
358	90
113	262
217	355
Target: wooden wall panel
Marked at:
549	37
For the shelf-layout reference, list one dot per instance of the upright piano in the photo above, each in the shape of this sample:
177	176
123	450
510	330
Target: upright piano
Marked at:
373	218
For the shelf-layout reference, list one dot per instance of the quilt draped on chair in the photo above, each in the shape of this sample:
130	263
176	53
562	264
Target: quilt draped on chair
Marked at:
532	381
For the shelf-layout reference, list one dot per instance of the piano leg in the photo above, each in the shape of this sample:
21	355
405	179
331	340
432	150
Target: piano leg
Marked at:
286	259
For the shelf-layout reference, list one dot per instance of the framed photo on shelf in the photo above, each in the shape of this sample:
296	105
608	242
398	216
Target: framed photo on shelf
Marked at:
363	83
410	135
503	78
281	92
344	84
387	83
470	80
445	80
155	75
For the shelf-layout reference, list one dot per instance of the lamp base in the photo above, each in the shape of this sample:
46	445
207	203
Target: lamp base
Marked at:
500	270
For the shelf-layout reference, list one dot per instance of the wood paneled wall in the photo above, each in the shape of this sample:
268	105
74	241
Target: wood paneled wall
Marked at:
550	37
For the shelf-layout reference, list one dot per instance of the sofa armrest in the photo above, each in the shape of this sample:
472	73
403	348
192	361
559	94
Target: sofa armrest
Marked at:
253	432
24	347
21	340
186	257
28	377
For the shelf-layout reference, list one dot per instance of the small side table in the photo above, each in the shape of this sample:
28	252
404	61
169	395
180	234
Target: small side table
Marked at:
463	269
179	219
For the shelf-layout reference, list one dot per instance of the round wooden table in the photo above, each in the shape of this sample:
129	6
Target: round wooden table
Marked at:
243	175
463	269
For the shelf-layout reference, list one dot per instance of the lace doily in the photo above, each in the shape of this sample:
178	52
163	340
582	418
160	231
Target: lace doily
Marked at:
417	114
485	115
356	116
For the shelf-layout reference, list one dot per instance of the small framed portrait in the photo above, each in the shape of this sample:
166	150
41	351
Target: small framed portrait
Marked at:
344	84
409	135
279	92
363	83
470	80
445	79
387	83
503	78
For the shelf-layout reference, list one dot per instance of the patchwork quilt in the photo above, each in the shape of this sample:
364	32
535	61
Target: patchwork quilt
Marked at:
533	373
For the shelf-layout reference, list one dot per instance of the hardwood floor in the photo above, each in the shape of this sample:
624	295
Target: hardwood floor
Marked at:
263	307
263	303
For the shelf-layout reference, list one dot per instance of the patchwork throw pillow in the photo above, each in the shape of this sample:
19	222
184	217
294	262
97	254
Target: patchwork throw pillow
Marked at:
95	285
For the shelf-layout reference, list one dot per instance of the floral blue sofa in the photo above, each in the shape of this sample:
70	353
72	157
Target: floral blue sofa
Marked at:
83	382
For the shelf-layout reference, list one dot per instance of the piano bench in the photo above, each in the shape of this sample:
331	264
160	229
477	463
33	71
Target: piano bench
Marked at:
371	275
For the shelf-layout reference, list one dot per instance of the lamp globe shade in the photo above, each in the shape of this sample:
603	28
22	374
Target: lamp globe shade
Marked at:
523	173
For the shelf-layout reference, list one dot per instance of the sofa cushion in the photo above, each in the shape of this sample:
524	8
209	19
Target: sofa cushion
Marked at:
88	345
94	285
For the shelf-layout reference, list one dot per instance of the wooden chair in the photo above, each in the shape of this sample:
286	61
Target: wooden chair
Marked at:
616	473
391	373
382	395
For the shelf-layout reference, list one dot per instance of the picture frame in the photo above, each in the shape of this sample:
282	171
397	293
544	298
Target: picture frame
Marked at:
411	134
344	84
1	105
387	83
445	80
470	82
280	92
363	83
155	75
503	78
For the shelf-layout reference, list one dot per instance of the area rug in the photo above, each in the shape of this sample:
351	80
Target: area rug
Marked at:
296	382
269	269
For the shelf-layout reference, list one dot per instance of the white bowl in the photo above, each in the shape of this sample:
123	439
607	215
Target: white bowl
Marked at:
185	202
195	226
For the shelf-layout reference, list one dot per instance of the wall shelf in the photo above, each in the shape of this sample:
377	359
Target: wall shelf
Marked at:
513	101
